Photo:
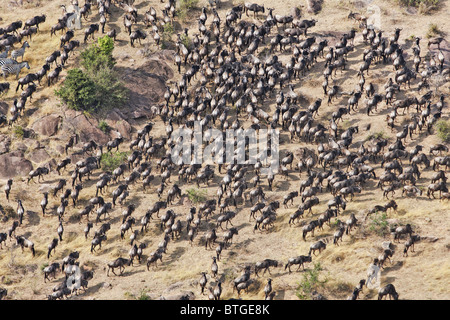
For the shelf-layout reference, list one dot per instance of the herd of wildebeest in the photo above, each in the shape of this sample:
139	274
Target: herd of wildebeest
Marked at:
230	71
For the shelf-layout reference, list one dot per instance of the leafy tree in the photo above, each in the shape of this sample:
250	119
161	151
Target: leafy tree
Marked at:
96	86
78	90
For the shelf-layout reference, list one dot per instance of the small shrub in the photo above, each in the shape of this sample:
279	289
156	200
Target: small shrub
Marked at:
433	30
376	135
19	132
443	130
186	40
197	195
310	282
379	224
143	295
104	126
168	31
110	161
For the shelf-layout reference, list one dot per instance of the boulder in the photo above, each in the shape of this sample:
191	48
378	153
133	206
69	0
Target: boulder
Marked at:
47	125
313	6
147	85
5	143
39	156
87	128
124	128
4	107
14	164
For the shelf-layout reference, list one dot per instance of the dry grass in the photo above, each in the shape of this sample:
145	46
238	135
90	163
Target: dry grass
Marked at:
344	265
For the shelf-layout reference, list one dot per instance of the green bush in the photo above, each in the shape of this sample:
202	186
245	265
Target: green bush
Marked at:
143	295
78	90
104	126
110	161
310	282
443	130
197	195
96	86
98	56
379	224
19	132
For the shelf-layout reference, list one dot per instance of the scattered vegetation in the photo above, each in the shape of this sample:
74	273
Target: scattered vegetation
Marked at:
310	283
423	6
104	126
110	161
379	224
143	295
197	195
433	30
376	135
416	3
443	130
186	40
19	132
166	39
185	6
96	86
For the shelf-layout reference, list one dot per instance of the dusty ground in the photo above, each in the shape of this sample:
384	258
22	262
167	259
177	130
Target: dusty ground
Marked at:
424	274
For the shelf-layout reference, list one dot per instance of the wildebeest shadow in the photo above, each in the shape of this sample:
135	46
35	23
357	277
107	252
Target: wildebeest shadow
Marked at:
33	218
131	272
94	289
393	267
176	254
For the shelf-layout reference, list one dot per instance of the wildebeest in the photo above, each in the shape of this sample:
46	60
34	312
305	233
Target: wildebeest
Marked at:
319	245
89	32
256	8
25	243
388	290
300	260
51	270
399	231
137	35
118	263
265	265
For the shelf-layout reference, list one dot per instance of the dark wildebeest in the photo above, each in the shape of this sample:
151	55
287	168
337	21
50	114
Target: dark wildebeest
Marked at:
118	263
388	290
300	260
265	264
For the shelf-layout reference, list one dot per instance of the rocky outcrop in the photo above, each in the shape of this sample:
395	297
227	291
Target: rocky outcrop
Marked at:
5	143
87	128
47	125
147	84
39	156
14	164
